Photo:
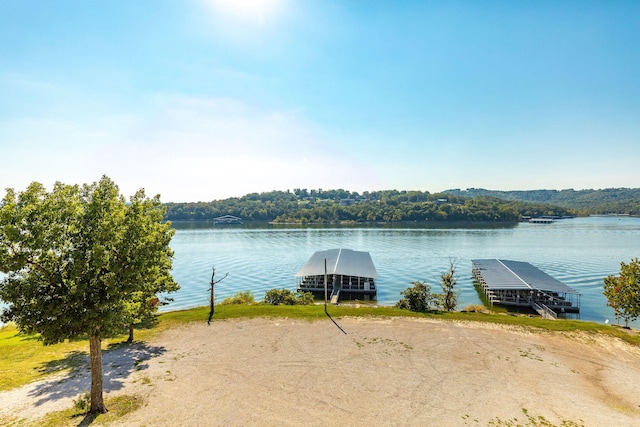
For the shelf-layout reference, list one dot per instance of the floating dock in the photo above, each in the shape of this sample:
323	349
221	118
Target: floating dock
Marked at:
520	284
347	272
541	220
227	219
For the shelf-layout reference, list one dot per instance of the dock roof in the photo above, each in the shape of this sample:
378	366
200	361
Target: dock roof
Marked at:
511	275
345	262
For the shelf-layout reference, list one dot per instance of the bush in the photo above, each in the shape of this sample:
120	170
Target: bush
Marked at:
240	298
304	298
82	403
448	299
286	297
279	296
417	298
471	308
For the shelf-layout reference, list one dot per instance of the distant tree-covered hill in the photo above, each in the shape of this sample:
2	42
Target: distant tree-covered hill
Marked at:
583	202
331	206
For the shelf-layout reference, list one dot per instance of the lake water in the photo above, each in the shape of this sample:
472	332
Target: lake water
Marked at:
579	252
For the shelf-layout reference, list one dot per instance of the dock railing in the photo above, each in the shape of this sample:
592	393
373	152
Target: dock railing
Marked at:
544	311
335	296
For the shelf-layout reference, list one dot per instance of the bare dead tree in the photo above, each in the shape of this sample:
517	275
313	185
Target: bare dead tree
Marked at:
212	301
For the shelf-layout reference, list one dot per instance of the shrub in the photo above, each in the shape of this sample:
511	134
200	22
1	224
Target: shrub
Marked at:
304	298
83	402
417	298
279	296
240	298
286	297
479	308
448	299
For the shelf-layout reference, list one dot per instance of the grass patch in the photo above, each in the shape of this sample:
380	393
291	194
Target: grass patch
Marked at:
533	421
316	312
118	407
302	312
24	359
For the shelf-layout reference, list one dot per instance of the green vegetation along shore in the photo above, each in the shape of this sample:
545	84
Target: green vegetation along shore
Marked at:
334	206
620	201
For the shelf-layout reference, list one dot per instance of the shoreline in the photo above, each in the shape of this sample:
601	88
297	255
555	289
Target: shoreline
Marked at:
359	371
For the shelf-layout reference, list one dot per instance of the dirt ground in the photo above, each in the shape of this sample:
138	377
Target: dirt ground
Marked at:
358	372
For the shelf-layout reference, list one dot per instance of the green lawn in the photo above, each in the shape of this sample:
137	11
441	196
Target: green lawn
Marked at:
24	359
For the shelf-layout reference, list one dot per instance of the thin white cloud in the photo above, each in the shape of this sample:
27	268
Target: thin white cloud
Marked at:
212	148
186	149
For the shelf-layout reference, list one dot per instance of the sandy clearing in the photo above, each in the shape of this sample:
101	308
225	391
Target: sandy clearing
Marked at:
279	372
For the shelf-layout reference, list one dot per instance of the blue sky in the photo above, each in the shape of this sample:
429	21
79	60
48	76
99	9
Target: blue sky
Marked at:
204	99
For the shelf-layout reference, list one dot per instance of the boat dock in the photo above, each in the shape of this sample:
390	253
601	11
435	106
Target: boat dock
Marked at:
227	219
346	272
520	284
541	220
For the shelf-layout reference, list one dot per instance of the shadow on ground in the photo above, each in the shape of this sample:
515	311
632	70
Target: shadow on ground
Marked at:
119	361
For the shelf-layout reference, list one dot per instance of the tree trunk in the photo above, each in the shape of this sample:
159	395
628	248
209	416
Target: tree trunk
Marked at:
130	339
95	350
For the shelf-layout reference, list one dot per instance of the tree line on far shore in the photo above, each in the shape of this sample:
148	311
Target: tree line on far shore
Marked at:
621	201
332	206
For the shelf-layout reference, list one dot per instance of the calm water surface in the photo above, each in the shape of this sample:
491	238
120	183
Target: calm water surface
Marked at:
579	252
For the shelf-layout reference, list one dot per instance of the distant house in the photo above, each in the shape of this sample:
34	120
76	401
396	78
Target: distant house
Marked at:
347	271
227	219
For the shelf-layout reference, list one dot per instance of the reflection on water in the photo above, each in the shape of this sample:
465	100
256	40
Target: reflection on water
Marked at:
579	252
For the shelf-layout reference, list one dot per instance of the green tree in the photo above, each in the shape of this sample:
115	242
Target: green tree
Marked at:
146	236
78	260
448	299
417	298
623	291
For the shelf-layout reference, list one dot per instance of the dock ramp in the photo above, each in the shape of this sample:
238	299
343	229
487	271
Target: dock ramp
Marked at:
335	296
544	311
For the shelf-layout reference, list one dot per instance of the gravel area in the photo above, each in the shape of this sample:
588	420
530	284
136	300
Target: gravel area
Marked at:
358	372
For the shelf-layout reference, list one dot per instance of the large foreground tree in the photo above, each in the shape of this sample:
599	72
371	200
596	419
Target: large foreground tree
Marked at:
623	291
82	262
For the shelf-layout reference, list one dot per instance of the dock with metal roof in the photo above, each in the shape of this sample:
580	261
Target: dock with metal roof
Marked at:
347	271
520	284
